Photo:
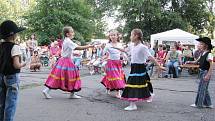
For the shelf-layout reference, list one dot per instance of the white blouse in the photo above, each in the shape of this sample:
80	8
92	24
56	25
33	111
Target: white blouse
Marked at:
114	54
68	47
210	56
16	51
139	53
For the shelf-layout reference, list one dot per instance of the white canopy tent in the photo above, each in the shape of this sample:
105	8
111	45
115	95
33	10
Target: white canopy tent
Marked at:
213	42
100	40
172	36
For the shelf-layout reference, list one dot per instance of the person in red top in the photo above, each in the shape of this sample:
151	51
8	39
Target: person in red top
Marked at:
178	46
160	55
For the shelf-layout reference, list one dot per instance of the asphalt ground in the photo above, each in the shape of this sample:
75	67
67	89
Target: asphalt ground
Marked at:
171	101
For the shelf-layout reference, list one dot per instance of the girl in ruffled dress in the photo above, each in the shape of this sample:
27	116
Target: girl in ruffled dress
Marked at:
65	75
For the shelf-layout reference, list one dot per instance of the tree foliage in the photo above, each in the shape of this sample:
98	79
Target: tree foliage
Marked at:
49	17
46	18
153	16
98	13
211	18
15	10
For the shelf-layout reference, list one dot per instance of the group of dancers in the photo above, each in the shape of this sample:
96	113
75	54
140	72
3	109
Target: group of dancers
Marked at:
65	75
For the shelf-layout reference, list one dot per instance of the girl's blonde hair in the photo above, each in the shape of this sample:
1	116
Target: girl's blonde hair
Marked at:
66	30
113	31
139	33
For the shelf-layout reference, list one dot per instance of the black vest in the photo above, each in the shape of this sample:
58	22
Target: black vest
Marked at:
6	61
203	63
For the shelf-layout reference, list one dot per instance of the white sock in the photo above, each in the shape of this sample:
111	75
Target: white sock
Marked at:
46	90
118	92
132	104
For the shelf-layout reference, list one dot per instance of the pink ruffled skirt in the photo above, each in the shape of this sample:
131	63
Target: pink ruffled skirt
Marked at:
64	76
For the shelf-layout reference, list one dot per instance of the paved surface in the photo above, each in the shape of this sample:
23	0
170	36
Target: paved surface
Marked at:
171	102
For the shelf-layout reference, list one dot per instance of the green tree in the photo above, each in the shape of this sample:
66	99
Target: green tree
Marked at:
4	11
98	14
153	16
150	16
15	10
211	18
49	17
195	13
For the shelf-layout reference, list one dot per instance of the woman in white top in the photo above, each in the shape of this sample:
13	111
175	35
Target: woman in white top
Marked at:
114	78
138	86
65	75
93	57
32	44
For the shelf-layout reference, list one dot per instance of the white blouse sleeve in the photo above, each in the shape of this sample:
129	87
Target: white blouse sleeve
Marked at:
146	52
16	50
210	57
105	49
72	45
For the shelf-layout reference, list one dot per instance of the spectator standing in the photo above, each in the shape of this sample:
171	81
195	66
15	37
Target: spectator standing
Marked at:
10	65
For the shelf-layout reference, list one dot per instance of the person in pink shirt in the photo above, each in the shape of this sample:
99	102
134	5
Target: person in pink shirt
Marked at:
60	40
160	56
54	53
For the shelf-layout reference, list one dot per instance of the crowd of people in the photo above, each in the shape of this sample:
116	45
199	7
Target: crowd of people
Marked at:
175	55
170	56
65	56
